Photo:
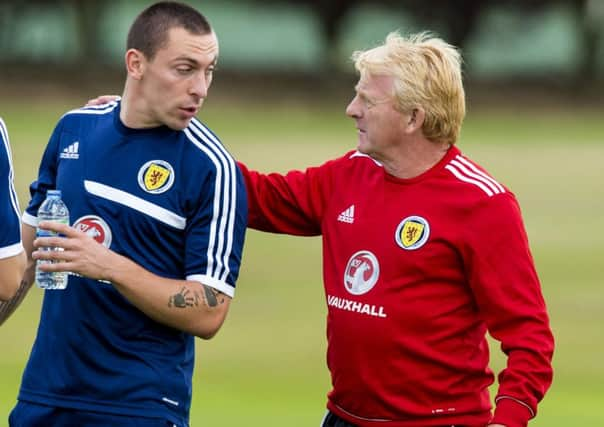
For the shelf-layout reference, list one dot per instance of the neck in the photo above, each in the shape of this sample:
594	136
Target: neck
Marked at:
413	158
131	111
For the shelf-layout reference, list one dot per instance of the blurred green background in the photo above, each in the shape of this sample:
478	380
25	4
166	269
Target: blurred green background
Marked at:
540	133
268	362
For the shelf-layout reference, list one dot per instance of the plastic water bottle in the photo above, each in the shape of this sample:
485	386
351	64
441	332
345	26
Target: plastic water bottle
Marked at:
52	209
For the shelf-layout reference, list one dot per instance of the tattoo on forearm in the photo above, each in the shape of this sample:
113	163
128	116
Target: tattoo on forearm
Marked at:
7	308
184	298
212	296
188	298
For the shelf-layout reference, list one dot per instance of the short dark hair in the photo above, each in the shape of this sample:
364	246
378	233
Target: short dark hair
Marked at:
149	31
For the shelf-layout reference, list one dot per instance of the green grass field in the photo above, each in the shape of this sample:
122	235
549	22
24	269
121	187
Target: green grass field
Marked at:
267	364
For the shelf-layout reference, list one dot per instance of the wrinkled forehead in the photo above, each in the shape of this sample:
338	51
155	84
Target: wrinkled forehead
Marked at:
376	84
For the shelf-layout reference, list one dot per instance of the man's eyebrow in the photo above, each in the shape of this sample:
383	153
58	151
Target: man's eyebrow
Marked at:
361	91
186	59
193	61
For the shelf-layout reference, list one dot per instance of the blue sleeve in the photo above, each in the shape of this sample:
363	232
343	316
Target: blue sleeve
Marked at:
10	231
47	175
216	229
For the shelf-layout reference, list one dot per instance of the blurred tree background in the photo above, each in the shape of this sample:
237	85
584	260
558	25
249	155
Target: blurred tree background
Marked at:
534	73
554	42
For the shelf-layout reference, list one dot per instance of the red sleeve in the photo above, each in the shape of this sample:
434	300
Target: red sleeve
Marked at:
290	204
508	294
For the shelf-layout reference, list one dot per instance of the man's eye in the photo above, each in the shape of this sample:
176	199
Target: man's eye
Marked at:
368	102
184	70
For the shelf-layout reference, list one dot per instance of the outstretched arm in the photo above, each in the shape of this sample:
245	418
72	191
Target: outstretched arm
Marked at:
289	203
186	305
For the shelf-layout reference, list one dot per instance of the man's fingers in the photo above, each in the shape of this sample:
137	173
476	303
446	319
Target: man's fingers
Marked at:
59	227
56	267
53	242
66	243
100	100
48	255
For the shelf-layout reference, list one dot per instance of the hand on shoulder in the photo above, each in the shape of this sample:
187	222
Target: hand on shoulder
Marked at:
102	99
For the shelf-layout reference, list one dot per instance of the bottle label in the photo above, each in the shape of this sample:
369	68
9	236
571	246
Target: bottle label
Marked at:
44	233
48	233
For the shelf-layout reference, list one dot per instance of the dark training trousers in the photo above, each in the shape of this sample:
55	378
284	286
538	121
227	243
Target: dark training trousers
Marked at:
332	420
27	414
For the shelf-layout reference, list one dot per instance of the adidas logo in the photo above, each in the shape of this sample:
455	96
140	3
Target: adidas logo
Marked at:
347	216
71	151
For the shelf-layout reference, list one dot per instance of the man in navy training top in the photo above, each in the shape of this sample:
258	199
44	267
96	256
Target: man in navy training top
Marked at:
12	256
158	211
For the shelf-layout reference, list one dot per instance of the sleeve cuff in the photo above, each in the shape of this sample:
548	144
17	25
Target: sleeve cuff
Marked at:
219	285
29	219
10	251
511	412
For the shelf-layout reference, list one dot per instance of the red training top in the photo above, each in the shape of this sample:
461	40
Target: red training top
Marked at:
415	272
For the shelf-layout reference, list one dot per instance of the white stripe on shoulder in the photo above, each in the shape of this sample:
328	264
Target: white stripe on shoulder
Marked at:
221	188
5	141
359	154
484	175
464	178
220	242
11	172
466	171
136	203
95	109
3	130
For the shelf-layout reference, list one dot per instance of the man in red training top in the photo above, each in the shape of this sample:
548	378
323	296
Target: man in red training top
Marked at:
423	253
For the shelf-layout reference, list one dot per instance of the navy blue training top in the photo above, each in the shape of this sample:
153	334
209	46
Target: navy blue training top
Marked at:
10	228
172	201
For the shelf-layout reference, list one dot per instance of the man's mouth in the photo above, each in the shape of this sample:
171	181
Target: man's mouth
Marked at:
191	111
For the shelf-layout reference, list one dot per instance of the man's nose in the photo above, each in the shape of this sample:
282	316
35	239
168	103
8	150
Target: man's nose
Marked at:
353	109
199	86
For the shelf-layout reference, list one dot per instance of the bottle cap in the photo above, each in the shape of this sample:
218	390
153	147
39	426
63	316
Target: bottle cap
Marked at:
53	193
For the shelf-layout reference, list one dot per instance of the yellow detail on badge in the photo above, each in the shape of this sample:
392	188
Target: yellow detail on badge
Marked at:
411	233
155	177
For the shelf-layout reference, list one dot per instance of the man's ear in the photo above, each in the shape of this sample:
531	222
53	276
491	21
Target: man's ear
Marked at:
416	119
135	63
